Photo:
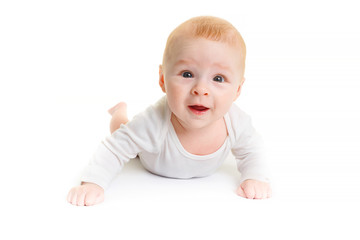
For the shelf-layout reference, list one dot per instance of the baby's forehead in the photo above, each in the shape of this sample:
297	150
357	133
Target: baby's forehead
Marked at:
186	38
187	34
187	43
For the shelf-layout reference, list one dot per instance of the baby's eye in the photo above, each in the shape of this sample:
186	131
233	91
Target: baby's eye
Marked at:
187	75
219	79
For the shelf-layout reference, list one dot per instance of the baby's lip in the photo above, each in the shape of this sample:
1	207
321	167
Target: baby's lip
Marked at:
198	109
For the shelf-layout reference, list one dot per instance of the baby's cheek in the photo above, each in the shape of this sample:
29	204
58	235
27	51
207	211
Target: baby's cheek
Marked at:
173	101
224	103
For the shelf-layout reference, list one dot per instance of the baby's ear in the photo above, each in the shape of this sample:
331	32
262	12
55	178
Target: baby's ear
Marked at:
239	88
161	79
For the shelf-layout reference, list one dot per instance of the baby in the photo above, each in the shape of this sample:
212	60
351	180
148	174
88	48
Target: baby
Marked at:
190	131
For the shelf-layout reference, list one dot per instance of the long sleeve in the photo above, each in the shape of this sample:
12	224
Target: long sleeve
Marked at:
142	133
248	149
103	166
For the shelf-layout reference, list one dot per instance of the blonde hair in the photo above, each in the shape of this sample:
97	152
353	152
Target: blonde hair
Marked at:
208	27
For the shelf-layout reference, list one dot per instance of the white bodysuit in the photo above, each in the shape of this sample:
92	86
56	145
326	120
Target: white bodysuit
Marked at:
151	136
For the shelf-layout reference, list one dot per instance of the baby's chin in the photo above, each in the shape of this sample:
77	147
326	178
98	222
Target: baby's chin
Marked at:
198	122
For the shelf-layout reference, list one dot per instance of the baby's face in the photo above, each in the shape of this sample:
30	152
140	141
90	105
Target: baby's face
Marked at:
201	79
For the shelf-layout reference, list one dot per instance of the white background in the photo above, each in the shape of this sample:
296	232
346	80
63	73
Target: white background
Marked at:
64	63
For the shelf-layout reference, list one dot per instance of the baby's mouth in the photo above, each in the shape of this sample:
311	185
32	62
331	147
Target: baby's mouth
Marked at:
198	109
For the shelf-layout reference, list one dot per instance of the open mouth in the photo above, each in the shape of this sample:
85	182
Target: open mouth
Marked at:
198	109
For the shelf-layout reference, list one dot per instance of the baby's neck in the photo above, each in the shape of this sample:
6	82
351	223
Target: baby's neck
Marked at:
201	141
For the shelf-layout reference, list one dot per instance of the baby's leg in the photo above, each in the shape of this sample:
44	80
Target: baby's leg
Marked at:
119	116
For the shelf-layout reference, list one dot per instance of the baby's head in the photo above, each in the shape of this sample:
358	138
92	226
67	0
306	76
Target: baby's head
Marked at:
207	27
203	70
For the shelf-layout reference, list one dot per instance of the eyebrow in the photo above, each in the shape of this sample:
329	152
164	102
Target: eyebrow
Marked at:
183	61
225	67
189	62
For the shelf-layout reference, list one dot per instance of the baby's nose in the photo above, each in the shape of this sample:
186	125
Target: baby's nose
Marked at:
200	89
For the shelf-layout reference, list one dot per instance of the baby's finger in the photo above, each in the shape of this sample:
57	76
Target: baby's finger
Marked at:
240	192
80	198
259	194
249	192
72	196
90	199
260	191
69	196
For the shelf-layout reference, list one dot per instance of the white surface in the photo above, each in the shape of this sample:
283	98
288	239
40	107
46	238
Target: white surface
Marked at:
62	65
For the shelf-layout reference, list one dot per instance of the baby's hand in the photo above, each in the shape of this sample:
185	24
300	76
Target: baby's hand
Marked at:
254	189
86	194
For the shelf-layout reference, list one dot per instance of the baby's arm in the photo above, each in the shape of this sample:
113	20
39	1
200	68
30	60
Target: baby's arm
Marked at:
87	194
249	152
